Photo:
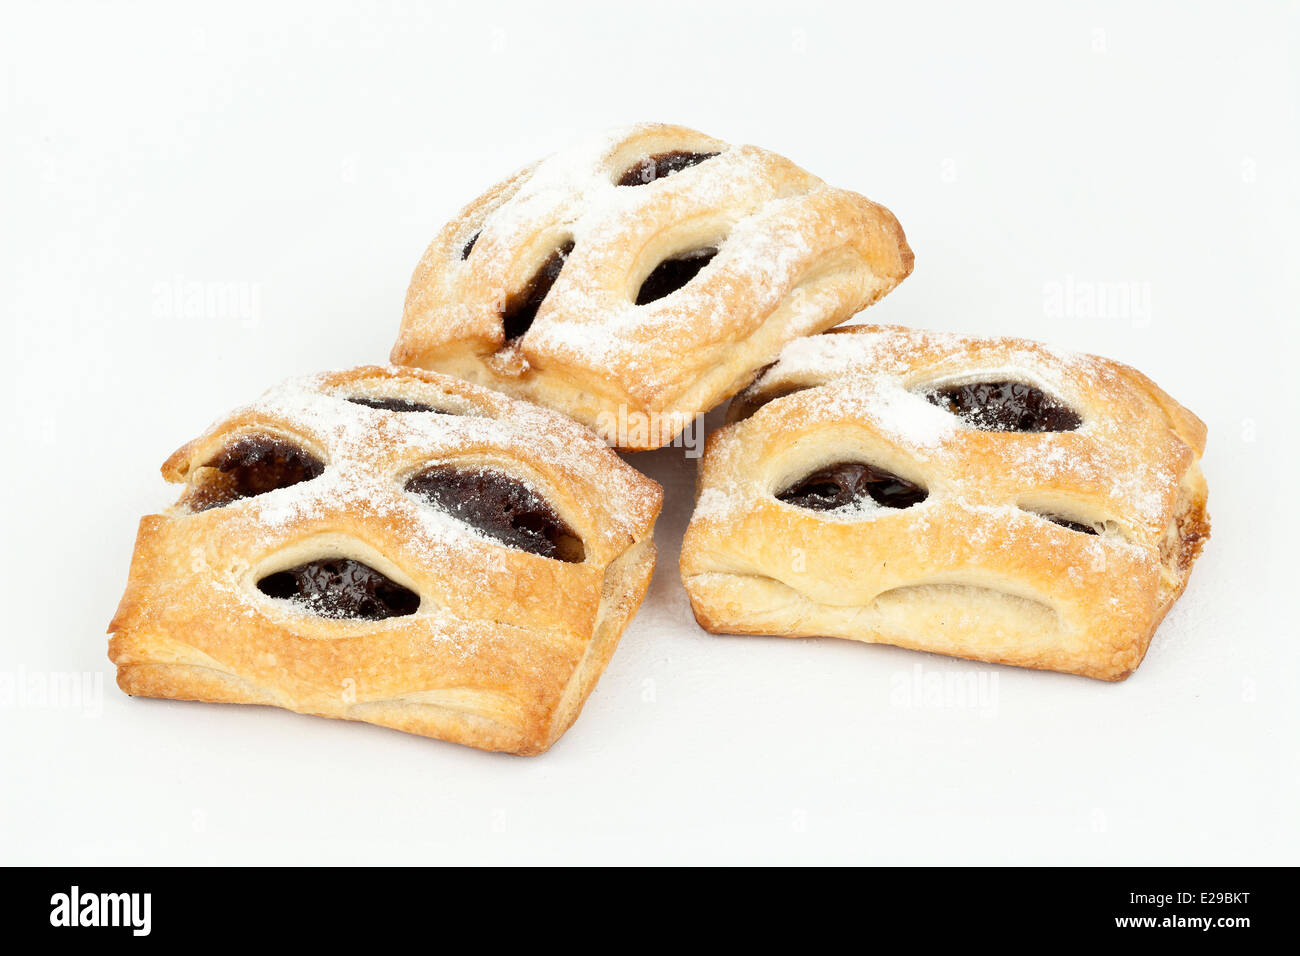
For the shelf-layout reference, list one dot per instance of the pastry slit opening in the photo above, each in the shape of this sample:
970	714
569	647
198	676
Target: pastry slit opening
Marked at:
1005	406
661	165
1075	519
852	484
251	466
500	507
673	274
1069	525
521	307
395	404
469	246
341	588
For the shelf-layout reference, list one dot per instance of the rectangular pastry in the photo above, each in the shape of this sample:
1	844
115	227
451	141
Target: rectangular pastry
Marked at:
640	278
396	547
984	498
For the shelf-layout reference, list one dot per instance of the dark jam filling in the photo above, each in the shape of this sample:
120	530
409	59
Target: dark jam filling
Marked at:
1072	525
521	308
660	165
671	274
501	507
847	483
395	405
469	246
341	587
1005	407
253	466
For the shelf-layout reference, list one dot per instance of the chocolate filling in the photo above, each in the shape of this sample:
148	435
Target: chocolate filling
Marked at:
341	587
501	507
1005	407
469	246
671	274
252	466
1072	525
848	482
660	165
521	308
395	405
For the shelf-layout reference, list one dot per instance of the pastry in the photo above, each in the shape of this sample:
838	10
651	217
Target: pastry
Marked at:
391	546
641	278
983	498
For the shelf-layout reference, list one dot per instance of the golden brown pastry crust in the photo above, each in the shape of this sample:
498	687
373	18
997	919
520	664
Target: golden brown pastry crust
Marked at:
505	646
795	257
975	570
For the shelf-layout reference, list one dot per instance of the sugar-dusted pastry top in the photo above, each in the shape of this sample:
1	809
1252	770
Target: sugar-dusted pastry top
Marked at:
649	271
897	460
374	429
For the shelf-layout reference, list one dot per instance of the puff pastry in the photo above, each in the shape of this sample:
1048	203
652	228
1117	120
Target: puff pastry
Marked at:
983	498
640	278
391	546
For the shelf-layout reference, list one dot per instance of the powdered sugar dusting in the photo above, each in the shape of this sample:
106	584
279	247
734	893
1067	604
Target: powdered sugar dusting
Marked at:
368	453
755	253
773	225
880	375
903	415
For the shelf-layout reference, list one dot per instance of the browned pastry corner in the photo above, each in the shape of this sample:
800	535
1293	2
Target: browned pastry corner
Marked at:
640	278
984	498
391	546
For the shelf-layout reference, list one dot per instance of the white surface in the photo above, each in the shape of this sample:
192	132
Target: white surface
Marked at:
306	155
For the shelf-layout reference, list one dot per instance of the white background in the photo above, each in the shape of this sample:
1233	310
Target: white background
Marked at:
305	154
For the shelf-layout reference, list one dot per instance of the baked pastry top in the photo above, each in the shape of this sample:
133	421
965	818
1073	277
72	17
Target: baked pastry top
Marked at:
392	546
640	278
984	498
